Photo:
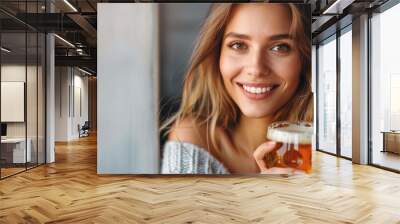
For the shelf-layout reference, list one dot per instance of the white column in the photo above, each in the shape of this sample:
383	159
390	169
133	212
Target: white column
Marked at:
360	90
63	103
314	91
127	63
50	99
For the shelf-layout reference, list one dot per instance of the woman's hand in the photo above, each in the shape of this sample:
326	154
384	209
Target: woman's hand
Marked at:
260	154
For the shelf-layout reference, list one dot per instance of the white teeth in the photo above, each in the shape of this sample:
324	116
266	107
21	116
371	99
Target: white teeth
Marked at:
257	90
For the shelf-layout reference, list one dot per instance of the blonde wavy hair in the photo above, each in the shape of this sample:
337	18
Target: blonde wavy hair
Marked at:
204	98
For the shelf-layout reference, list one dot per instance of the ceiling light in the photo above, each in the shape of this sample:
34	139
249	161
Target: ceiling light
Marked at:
65	41
5	50
70	5
84	71
337	7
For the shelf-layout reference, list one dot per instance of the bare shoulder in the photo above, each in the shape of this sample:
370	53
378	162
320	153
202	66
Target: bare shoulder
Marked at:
188	130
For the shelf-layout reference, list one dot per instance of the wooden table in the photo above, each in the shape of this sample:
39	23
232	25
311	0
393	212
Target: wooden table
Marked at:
391	141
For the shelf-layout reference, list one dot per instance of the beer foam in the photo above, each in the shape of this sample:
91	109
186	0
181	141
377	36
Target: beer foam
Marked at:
291	132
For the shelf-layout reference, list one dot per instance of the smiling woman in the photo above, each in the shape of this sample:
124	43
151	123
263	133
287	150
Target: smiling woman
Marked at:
245	73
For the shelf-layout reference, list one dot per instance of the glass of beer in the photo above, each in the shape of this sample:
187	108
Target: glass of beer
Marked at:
294	145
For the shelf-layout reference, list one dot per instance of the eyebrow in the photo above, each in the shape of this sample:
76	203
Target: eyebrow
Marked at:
246	37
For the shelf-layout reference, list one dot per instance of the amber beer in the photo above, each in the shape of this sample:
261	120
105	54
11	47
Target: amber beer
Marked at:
294	145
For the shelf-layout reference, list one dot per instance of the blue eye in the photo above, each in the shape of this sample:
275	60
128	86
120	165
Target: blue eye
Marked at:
281	48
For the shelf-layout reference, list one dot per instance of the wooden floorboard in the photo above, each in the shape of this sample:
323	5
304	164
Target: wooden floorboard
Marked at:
70	191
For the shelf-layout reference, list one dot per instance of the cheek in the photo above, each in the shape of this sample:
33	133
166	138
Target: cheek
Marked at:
289	71
230	68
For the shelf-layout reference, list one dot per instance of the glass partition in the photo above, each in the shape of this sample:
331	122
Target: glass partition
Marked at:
13	105
22	88
32	95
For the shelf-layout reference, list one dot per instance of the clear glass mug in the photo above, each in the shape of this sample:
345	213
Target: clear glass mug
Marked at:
294	140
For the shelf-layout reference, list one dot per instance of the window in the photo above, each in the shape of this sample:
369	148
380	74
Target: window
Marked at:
385	89
327	96
346	92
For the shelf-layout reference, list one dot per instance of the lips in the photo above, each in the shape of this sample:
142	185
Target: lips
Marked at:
257	91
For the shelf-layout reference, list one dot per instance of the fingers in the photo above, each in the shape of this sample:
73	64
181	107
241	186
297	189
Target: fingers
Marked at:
260	153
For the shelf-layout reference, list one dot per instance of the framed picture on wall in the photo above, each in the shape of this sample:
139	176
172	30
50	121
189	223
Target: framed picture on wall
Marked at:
12	101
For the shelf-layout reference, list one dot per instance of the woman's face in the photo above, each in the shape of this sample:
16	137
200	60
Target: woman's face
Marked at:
259	62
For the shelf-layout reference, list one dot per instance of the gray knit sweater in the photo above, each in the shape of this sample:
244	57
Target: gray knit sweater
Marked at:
186	158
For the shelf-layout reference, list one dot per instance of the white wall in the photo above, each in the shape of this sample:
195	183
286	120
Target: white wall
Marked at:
62	81
33	126
12	73
80	83
67	80
127	82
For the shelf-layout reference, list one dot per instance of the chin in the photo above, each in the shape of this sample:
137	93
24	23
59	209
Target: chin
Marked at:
256	112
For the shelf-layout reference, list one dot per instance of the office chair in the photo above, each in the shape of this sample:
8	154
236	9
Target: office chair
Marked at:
84	130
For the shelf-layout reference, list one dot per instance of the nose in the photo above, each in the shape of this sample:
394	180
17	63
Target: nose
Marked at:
258	64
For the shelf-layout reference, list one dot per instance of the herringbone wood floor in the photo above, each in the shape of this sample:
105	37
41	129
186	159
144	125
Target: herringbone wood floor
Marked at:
70	191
